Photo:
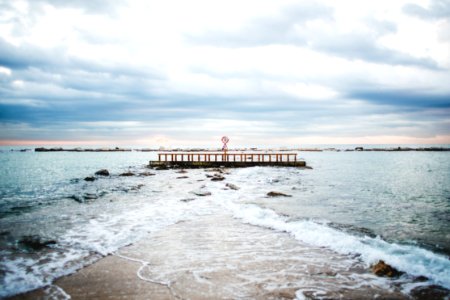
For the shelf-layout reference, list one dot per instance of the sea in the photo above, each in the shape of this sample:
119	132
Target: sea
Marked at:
369	206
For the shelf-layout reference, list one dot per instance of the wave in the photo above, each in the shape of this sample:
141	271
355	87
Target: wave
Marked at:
412	260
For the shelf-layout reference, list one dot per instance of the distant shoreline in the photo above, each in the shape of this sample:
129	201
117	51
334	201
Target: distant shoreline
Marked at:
117	149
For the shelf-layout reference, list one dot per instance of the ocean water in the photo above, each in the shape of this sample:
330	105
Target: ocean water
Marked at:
393	206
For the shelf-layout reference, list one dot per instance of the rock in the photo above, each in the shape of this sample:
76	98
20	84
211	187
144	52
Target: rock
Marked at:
217	177
182	172
102	172
35	243
383	269
277	194
146	174
232	186
182	177
430	292
208	176
89	178
137	187
77	198
90	196
201	193
127	174
187	199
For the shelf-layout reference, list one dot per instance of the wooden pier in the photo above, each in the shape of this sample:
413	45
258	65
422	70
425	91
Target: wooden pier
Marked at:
225	159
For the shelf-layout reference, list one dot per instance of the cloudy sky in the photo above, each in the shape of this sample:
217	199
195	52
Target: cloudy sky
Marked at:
184	73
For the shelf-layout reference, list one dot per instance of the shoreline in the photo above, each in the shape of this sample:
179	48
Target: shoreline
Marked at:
356	149
218	257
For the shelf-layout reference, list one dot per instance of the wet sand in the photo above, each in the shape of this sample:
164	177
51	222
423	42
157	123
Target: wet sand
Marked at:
218	257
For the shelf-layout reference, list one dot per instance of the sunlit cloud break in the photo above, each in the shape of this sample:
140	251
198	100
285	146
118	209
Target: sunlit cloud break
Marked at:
155	73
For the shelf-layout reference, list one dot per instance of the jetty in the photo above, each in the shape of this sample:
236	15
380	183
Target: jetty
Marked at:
190	160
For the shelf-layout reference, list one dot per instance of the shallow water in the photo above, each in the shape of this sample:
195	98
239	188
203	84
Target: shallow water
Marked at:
373	205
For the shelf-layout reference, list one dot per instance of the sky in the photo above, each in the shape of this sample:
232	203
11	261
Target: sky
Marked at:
263	72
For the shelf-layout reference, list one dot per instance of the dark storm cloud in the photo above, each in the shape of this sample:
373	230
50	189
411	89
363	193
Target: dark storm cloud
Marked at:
404	98
437	9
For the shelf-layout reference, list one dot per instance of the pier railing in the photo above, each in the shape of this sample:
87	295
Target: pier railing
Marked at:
227	157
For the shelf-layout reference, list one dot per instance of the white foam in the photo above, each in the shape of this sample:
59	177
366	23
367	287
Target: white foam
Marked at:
410	259
25	274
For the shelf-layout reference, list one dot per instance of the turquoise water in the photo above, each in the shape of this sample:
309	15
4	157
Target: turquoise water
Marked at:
380	199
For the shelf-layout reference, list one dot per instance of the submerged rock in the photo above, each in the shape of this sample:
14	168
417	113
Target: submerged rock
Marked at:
89	178
383	269
182	177
201	193
77	198
102	172
137	187
430	292
35	243
217	177
146	174
232	186
127	174
182	171
277	194
90	196
187	199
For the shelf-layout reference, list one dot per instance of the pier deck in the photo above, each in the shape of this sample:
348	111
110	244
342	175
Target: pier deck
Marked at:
220	159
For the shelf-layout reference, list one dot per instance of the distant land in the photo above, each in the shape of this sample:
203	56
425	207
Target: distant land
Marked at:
161	149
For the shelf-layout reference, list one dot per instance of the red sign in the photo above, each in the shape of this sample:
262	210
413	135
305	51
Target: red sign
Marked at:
225	140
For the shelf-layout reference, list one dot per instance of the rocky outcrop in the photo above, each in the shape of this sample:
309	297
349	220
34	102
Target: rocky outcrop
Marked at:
217	177
383	269
277	194
102	172
127	174
35	243
90	178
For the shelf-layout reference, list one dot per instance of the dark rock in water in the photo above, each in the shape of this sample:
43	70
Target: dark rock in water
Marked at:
359	149
137	187
162	168
208	176
383	269
90	196
430	292
102	172
182	177
127	174
182	171
232	186
89	178
277	194
35	243
146	174
187	200
75	180
77	198
217	177
201	193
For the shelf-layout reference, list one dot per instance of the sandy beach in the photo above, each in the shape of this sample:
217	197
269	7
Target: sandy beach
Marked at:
217	257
